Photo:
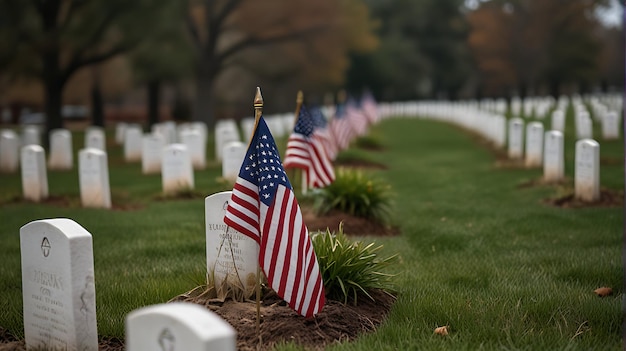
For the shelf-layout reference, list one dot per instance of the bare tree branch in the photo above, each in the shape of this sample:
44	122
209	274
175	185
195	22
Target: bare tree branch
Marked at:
254	41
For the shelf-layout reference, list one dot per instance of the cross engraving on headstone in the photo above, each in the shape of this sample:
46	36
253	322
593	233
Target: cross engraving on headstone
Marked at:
166	340
45	246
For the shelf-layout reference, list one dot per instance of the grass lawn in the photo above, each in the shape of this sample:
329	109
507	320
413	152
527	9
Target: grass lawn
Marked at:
478	252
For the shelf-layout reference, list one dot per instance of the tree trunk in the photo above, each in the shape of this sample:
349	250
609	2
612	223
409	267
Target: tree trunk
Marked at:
203	106
154	89
53	88
97	108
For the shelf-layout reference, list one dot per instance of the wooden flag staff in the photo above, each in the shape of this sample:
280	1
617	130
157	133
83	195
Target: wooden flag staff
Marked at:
258	111
298	172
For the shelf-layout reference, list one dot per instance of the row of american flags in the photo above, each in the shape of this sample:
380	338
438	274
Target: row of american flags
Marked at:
264	207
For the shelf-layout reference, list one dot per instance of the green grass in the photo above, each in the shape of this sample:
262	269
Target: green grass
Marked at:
477	253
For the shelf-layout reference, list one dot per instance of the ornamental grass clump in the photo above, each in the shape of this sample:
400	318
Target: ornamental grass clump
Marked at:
353	193
350	269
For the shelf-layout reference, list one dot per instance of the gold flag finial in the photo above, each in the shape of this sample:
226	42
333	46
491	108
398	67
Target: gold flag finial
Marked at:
258	111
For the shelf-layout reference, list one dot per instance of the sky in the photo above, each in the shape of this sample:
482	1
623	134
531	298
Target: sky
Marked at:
611	16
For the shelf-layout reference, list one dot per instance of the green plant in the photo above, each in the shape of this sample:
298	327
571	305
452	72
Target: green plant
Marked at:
353	193
350	268
369	142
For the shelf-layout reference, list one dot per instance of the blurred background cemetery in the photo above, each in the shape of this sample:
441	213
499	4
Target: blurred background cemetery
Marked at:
101	62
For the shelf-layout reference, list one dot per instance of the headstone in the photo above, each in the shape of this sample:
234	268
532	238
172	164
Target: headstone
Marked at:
178	326
58	286
166	130
176	169
587	170
534	144
31	135
558	120
196	144
225	132
553	163
9	151
132	143
93	177
95	138
247	127
34	173
61	153
584	126
120	132
232	258
611	125
152	152
516	138
233	155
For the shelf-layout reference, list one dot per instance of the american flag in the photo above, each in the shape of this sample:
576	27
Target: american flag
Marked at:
321	129
263	207
340	127
305	149
370	109
357	118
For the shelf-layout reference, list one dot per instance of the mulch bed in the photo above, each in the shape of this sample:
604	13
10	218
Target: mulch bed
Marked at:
608	198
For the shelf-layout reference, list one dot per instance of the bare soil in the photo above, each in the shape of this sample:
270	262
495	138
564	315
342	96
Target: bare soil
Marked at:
608	198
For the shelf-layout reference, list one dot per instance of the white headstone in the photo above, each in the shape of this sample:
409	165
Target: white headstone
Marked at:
225	132
58	286
34	173
178	326
534	144
31	135
9	151
120	132
176	169
558	120
584	126
152	152
553	163
611	125
132	143
233	155
61	153
95	138
247	127
93	177
516	138
587	170
232	258
196	144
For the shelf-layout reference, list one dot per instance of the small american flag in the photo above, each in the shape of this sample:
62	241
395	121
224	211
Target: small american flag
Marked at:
341	128
263	207
306	150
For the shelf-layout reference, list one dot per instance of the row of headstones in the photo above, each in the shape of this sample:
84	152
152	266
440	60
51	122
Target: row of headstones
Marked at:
495	128
58	289
176	173
547	149
59	300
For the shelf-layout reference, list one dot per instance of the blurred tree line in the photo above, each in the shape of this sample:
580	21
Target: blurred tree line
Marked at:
203	58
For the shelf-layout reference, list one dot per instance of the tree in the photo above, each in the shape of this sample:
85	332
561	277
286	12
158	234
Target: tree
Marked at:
53	39
529	46
224	34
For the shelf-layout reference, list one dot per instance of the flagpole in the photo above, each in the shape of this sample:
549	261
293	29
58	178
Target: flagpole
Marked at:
258	111
299	102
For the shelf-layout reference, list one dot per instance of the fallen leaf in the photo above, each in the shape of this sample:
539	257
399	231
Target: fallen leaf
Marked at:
442	330
602	292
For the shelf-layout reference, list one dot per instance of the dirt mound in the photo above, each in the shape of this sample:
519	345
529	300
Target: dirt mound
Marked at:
351	225
279	323
608	198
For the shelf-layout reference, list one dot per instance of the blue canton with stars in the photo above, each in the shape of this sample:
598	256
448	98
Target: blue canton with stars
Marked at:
262	165
319	121
304	125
